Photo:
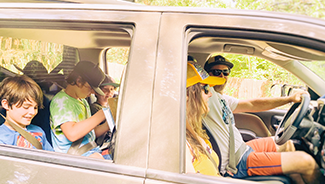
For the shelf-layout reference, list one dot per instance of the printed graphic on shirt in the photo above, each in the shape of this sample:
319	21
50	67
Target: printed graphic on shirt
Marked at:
22	142
226	113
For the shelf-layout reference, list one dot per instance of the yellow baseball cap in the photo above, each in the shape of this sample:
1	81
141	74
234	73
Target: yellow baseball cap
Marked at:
196	74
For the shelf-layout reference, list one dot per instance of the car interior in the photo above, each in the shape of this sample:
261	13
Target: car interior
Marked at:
94	45
288	52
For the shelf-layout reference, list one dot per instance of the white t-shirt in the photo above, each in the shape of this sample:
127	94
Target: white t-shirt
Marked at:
220	130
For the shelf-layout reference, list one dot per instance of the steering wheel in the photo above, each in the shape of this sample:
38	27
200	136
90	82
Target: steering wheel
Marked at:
292	120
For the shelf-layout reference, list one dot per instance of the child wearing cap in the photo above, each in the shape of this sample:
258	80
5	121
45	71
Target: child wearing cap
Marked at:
73	128
108	86
199	150
21	97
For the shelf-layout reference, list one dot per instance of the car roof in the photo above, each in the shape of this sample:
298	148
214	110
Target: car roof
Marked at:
131	6
70	1
134	7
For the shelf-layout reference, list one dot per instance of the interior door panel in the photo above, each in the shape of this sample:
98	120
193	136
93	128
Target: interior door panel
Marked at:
253	121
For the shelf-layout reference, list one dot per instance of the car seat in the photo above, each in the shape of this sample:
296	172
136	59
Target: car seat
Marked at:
42	119
251	126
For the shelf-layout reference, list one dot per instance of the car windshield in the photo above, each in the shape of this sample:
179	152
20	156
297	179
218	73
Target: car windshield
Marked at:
317	67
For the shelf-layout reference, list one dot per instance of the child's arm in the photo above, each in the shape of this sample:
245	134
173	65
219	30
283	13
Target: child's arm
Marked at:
101	129
76	130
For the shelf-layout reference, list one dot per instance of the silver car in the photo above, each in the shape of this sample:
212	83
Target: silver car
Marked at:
150	141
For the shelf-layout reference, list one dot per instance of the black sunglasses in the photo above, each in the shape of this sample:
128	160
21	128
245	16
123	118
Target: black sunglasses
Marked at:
217	72
206	89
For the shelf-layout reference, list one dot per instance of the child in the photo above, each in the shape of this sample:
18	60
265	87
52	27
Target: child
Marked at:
21	97
71	122
108	86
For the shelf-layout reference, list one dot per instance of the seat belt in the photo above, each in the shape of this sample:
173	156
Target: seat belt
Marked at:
75	148
233	157
231	167
24	133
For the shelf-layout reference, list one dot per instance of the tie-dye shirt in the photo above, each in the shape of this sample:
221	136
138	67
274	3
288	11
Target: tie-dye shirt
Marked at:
64	108
12	137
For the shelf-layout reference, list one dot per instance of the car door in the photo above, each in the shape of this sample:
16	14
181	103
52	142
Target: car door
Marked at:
90	29
235	32
271	38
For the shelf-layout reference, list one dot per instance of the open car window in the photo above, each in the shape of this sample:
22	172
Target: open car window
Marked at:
48	57
254	77
263	67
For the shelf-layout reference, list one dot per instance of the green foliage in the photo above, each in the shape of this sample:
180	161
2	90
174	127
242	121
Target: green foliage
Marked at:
190	3
313	8
318	67
260	69
118	55
21	51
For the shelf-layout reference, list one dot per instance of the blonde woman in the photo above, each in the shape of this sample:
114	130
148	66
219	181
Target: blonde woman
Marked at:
199	150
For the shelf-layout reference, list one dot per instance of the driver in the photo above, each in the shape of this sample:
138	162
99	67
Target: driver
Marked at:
260	156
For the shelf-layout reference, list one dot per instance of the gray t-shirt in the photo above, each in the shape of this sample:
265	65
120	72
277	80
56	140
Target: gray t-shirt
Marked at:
220	130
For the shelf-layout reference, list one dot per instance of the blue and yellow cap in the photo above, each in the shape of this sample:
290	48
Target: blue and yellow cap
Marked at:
196	74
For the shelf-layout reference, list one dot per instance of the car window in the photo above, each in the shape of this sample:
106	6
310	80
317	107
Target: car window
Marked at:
254	77
317	67
261	61
49	58
116	59
259	70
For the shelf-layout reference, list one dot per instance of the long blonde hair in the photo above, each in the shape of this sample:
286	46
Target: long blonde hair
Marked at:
195	109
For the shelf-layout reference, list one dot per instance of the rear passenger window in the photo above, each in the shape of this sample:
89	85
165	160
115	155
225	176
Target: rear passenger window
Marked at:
49	55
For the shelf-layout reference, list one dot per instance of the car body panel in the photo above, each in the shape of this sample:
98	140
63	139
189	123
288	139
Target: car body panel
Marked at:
36	166
150	145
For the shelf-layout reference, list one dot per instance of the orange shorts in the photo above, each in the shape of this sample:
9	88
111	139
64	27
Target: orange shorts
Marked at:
264	160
